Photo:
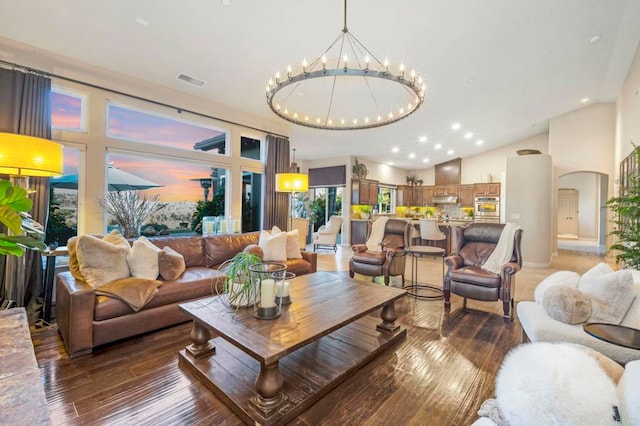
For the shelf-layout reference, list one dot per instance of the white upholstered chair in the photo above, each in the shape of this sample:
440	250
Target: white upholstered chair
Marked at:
327	235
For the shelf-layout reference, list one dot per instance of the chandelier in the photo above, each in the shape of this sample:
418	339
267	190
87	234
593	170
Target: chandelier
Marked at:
345	88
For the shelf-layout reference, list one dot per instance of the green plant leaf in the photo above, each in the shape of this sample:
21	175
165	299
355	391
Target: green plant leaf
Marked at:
11	219
15	197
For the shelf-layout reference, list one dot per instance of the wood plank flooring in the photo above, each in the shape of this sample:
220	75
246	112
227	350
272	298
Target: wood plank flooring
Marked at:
439	375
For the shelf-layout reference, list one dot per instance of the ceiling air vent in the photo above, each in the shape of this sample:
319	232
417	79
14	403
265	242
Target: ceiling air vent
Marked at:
190	80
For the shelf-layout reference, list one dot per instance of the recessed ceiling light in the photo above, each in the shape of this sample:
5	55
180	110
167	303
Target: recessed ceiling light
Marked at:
390	163
455	126
450	152
594	39
412	155
423	139
468	135
426	160
438	146
142	22
479	142
584	100
395	149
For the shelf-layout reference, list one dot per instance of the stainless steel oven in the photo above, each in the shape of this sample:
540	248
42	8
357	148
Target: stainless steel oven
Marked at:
487	209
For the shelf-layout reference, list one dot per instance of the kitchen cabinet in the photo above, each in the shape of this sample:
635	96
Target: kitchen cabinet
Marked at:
359	231
446	190
487	189
466	195
404	196
364	191
427	192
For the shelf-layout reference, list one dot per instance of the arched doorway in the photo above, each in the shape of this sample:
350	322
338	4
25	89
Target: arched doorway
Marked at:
582	213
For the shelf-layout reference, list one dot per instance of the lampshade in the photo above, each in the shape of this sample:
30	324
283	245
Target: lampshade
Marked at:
22	155
292	182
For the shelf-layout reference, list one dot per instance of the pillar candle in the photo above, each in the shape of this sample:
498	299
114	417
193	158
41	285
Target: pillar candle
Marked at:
223	226
236	225
267	293
282	289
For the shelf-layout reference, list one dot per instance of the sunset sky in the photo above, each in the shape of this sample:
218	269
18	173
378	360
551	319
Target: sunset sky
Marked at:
174	176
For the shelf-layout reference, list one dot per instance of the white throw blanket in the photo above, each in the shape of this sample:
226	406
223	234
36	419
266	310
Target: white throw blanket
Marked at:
503	251
374	243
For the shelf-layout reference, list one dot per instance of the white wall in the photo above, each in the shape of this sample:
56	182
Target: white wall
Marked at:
588	186
477	168
628	112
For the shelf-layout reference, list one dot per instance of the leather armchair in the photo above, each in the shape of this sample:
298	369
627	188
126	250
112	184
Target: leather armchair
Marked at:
388	262
465	276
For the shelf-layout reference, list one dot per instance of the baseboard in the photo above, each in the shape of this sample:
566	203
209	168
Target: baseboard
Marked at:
536	264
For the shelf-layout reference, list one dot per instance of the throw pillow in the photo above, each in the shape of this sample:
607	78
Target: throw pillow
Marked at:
567	305
560	278
135	292
293	246
274	246
554	384
600	269
611	295
100	261
143	259
171	264
254	249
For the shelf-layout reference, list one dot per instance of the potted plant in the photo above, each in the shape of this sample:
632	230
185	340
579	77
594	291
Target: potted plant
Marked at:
626	209
237	282
14	205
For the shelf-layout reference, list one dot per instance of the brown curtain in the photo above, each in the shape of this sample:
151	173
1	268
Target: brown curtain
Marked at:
276	204
25	108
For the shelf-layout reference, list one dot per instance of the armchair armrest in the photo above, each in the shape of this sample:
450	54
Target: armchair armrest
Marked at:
509	268
75	303
359	248
312	258
391	253
453	262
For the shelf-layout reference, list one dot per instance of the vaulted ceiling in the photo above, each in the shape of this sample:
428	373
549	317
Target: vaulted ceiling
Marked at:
500	68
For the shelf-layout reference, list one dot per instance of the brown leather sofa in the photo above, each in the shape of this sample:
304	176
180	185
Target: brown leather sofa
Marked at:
86	320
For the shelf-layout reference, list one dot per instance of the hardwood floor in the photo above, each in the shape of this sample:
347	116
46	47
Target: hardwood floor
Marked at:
439	375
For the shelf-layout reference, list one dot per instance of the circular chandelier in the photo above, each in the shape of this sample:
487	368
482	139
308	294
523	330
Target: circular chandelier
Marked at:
358	92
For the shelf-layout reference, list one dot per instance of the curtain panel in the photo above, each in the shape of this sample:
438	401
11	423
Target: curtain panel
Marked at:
276	204
25	108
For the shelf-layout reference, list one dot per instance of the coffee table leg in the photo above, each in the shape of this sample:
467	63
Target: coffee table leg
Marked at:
269	386
388	316
200	345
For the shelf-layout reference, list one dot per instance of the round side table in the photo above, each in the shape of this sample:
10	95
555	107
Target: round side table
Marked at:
432	292
613	333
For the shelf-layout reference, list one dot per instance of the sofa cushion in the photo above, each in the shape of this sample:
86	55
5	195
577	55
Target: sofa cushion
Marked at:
600	269
195	283
190	247
370	257
611	295
143	259
171	264
560	278
102	260
220	248
135	292
567	305
475	275
274	246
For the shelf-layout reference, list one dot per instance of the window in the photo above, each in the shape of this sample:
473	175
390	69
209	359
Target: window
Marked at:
183	187
250	148
63	206
68	110
145	127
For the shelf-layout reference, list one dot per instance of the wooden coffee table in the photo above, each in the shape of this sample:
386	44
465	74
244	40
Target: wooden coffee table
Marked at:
269	371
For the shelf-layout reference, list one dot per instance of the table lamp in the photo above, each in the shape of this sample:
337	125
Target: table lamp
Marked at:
292	182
